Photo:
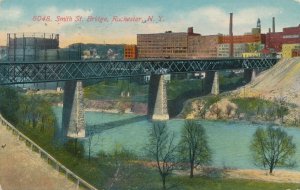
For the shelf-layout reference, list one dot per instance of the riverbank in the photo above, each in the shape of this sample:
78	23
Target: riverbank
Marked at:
112	106
278	176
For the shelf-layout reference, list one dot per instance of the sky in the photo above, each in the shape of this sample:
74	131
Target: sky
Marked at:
206	16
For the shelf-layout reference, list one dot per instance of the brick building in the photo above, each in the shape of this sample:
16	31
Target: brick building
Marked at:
203	46
177	45
275	40
162	45
130	52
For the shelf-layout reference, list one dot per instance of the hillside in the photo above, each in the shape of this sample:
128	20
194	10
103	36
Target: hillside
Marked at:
272	96
281	81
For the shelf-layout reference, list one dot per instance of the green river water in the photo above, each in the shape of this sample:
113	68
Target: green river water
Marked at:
229	141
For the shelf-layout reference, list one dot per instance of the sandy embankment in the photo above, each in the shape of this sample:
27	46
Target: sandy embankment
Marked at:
279	176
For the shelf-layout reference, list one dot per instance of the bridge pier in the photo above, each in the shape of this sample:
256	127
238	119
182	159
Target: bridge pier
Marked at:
215	90
73	123
157	99
253	76
249	75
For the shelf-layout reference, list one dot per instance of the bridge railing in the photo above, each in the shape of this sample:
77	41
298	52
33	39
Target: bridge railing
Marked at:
80	183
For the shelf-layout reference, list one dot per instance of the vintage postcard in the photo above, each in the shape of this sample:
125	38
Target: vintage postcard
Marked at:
148	94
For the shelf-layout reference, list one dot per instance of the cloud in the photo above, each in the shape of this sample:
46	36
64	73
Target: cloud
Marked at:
298	1
205	20
212	19
10	13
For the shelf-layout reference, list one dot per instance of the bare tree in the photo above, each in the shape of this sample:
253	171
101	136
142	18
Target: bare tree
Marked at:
281	108
161	148
272	147
194	146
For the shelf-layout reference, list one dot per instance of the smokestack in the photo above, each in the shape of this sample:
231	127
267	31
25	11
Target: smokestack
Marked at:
273	25
269	30
231	35
230	24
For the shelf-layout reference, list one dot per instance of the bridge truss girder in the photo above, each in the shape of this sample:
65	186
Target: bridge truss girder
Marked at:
35	72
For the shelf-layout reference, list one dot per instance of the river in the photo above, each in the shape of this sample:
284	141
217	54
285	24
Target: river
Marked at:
229	141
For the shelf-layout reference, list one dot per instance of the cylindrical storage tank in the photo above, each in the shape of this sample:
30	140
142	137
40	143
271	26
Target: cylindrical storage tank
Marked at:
27	47
59	54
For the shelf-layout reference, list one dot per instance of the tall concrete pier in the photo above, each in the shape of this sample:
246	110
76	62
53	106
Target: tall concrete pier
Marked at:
253	76
157	101
215	90
249	75
73	122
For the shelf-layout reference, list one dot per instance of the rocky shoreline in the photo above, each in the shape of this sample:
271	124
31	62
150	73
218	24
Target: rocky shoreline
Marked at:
112	106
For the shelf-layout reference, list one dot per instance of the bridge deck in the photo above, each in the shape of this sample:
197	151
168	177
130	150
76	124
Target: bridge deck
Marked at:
37	71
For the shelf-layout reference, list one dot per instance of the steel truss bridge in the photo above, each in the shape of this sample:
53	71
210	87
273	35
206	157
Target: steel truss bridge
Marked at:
41	71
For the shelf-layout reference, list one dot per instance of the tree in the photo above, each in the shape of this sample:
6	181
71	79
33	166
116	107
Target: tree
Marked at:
281	108
193	146
91	140
272	147
161	148
9	103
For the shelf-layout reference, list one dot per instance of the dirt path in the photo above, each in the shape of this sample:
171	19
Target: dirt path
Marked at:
22	169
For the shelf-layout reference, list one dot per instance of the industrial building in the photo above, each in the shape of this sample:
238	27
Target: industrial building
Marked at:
27	47
290	50
275	40
130	52
162	45
238	50
177	45
202	46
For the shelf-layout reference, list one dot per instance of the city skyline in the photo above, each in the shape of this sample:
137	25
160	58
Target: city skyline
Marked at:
207	17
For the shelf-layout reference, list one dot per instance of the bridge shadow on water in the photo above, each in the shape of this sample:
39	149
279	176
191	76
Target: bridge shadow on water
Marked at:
92	129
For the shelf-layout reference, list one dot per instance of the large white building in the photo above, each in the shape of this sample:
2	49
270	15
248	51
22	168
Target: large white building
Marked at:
238	50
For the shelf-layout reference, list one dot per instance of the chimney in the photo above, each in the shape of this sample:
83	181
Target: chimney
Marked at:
231	35
190	30
230	24
269	30
273	25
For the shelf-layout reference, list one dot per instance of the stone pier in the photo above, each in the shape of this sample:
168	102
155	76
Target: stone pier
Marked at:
249	75
157	100
253	76
215	90
73	123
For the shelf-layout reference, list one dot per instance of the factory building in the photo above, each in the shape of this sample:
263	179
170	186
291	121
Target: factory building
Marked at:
247	38
238	50
177	45
288	49
162	45
275	40
202	46
130	52
296	52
